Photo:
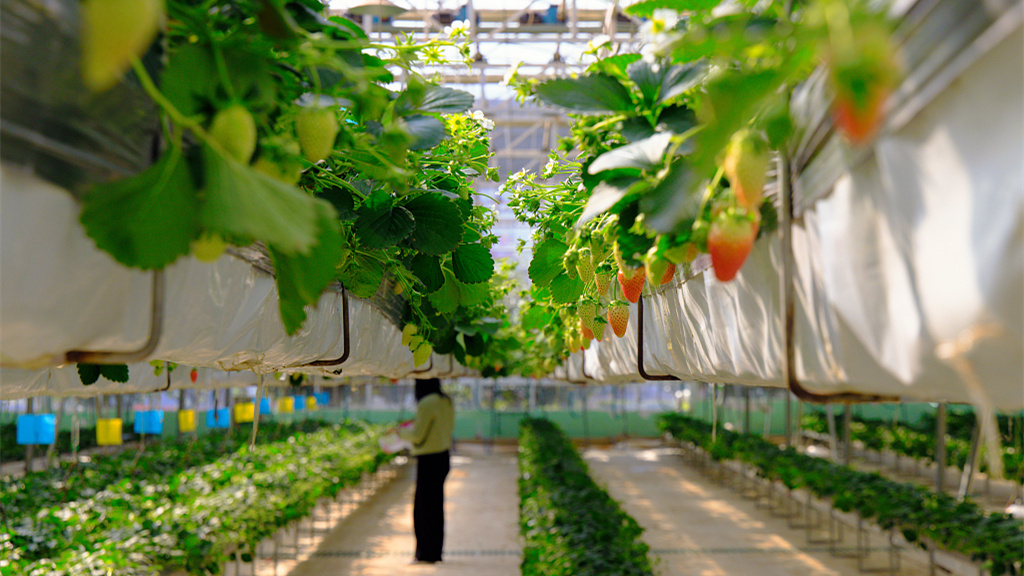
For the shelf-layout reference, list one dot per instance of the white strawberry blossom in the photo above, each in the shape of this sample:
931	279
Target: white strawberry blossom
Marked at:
485	122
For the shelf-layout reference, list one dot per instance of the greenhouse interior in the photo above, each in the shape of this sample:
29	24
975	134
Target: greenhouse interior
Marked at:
712	287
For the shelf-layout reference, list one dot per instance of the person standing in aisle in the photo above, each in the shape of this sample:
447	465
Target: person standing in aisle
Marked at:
431	437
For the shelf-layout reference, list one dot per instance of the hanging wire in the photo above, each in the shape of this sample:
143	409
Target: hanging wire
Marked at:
256	409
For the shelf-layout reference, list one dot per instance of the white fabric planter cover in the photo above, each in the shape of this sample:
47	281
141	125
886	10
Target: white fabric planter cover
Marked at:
909	261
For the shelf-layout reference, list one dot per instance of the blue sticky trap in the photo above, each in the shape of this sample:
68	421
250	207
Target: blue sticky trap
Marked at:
300	403
218	418
36	429
149	422
322	398
265	406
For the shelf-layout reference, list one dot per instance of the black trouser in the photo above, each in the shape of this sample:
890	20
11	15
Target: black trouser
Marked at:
428	506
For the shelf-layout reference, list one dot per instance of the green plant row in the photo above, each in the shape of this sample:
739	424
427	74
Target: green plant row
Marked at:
962	527
570	525
881	435
23	495
194	519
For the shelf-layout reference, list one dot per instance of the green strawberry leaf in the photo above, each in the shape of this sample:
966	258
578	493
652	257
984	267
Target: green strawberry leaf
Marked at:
447	298
592	93
646	8
613	65
607	194
472	263
474	294
147	220
642	155
362	276
426	131
114	372
241	202
547	262
342	200
444	100
301	278
678	80
382	224
88	373
536	318
565	290
427	269
474	344
190	79
672	200
438	223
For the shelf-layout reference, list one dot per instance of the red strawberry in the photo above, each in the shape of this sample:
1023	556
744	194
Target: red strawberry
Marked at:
729	242
618	317
602	279
746	166
859	119
194	375
631	286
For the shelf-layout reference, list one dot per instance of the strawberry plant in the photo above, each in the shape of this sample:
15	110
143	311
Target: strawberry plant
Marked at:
570	525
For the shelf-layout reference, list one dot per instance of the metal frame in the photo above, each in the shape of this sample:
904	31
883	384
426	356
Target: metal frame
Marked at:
346	335
156	324
640	347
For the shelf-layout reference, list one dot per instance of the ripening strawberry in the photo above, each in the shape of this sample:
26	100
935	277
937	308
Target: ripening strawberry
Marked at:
632	285
603	280
588	334
618	317
587	310
729	242
746	167
863	70
235	131
659	269
316	128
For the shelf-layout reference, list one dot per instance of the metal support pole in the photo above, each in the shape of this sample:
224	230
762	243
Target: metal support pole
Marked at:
789	418
940	448
833	437
586	424
746	409
847	442
972	462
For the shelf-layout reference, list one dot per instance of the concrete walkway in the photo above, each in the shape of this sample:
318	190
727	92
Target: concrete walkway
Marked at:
695	527
376	539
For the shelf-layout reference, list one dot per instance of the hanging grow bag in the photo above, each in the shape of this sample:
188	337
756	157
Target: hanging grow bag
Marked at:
108	432
286	405
218	418
245	412
149	422
186	421
36	429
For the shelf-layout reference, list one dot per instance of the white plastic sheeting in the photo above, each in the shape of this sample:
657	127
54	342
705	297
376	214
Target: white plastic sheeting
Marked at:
63	381
909	268
60	293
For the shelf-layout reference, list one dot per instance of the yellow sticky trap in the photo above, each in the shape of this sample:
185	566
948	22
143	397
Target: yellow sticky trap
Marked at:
310	403
108	432
245	412
186	421
286	405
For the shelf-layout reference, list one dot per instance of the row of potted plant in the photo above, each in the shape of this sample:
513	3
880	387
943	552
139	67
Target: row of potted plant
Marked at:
192	518
570	525
921	515
919	442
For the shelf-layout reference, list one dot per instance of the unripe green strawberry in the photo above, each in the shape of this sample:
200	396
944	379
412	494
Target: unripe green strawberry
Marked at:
234	130
587	310
585	266
208	247
113	31
618	317
603	280
408	332
598	329
570	261
422	353
316	128
746	167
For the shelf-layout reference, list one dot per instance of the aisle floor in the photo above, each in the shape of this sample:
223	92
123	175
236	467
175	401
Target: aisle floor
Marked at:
694	526
482	531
